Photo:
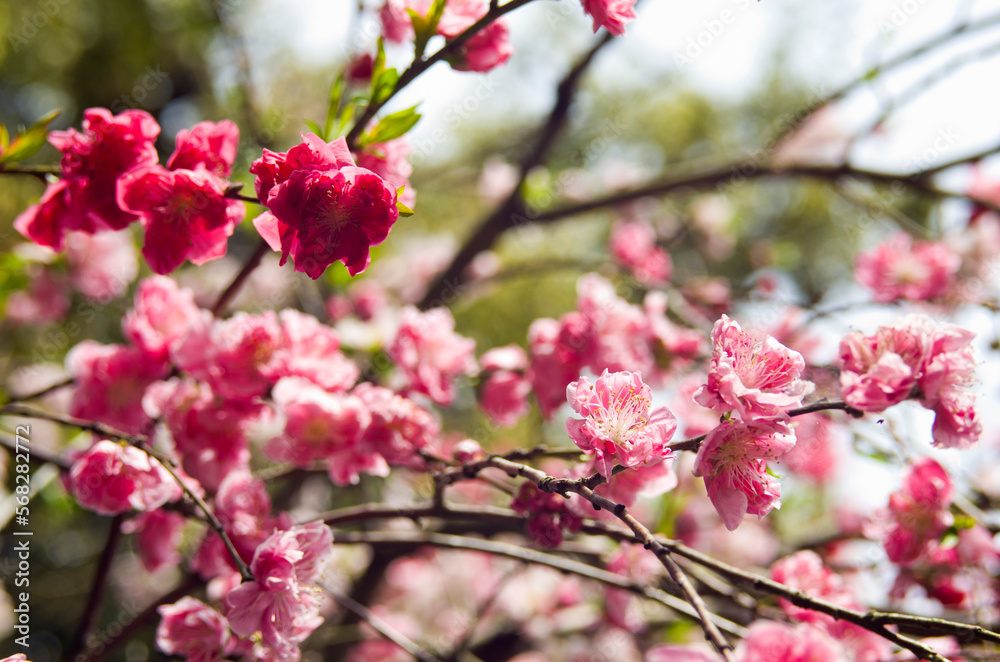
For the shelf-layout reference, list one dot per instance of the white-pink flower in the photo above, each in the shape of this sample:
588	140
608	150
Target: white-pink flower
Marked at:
755	378
733	460
191	628
618	422
902	269
279	604
505	388
111	479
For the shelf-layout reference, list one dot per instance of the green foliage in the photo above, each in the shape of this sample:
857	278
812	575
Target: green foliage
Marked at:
391	127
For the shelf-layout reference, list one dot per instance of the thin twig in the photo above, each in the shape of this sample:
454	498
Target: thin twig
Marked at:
380	626
418	538
252	262
92	610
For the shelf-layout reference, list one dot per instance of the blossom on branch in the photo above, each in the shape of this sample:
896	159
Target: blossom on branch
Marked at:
611	14
618	424
733	460
323	207
279	604
84	198
755	378
430	354
902	269
111	479
191	628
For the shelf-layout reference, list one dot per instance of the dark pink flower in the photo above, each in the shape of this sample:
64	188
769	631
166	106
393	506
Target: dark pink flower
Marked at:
805	571
158	537
323	208
186	214
612	14
278	605
553	364
733	460
110	382
163	316
633	245
549	514
208	146
503	394
111	479
191	628
618	423
84	198
901	269
430	354
755	378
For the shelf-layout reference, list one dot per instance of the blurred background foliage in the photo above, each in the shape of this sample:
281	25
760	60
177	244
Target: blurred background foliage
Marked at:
186	61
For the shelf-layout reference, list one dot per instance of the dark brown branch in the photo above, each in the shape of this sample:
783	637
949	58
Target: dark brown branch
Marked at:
252	262
379	625
418	538
141	443
512	210
418	67
92	610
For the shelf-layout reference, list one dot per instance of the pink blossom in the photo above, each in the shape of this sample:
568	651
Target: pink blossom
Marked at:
610	333
207	146
84	197
956	420
813	456
163	315
901	269
553	364
185	213
278	604
770	641
238	356
430	354
504	391
399	427
612	14
622	608
312	350
323	208
110	479
917	514
549	514
674	347
323	426
46	301
651	480
733	460
755	378
158	537
633	245
191	628
209	433
618	423
17	657
390	162
695	419
110	382
675	653
915	358
804	571
101	265
487	49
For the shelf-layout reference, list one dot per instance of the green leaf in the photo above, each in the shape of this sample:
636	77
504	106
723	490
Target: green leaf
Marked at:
949	538
332	110
4	139
391	127
964	522
383	86
315	128
378	66
344	121
404	211
26	144
424	27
